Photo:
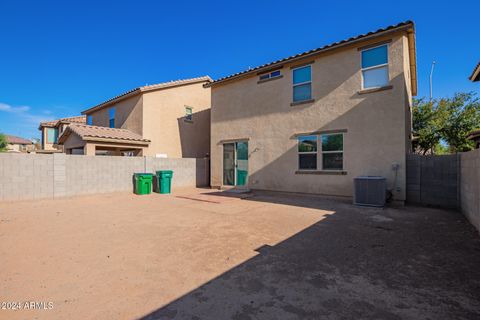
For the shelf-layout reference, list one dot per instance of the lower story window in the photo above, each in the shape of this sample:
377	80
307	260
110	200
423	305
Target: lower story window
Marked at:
307	152
331	151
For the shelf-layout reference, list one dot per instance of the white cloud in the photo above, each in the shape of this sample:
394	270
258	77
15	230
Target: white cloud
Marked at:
24	114
9	108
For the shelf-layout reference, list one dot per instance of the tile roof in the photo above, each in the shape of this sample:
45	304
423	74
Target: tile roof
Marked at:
406	24
475	76
87	132
157	86
474	134
53	123
17	140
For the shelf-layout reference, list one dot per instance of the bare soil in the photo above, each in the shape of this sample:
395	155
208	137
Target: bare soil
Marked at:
258	256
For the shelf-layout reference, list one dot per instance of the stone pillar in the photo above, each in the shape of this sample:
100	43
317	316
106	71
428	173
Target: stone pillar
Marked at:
89	149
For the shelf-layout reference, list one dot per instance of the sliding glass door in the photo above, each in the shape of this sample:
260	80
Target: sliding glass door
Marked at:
235	163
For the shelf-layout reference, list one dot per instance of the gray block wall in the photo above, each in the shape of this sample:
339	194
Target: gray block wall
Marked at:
470	186
433	180
26	176
38	176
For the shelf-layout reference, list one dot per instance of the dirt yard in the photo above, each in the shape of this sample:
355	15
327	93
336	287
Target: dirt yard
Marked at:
267	256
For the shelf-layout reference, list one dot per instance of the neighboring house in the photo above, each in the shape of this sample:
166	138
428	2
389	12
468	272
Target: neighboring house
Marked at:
18	144
475	137
475	76
170	119
313	121
50	131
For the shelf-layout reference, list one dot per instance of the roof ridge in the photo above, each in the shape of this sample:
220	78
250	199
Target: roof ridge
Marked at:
100	127
152	87
318	49
178	81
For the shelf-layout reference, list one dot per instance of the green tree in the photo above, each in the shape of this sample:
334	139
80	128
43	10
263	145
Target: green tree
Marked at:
427	123
447	120
462	116
3	143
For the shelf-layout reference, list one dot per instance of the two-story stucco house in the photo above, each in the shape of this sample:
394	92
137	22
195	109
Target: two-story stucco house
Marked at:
170	119
312	122
51	130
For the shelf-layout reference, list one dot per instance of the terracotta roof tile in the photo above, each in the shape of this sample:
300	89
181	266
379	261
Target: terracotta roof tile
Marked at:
53	123
312	52
475	76
17	140
474	134
86	131
157	86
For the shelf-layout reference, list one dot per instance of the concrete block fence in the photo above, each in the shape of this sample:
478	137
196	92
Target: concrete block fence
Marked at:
470	186
451	181
39	176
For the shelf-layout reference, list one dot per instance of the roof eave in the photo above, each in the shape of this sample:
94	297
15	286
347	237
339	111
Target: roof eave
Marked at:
475	74
406	27
64	135
412	54
143	89
113	101
124	141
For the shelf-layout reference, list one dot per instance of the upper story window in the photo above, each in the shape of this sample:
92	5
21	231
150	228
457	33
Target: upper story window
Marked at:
89	120
188	113
111	122
270	75
375	67
302	84
52	135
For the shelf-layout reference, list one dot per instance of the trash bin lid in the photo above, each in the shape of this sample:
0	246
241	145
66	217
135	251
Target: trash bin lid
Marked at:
165	173
143	175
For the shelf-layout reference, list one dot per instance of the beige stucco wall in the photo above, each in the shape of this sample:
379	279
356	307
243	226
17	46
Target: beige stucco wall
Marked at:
375	123
73	141
19	147
164	125
159	116
128	114
45	144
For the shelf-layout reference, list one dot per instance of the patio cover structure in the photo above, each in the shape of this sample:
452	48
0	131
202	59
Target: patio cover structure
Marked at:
93	140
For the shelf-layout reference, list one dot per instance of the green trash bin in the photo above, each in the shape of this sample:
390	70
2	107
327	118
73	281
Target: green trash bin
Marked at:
164	181
143	183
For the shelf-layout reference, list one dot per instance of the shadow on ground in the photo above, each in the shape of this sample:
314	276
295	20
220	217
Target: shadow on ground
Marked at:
357	263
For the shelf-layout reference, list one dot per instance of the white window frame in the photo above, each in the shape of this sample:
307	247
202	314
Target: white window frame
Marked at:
375	67
307	152
268	75
302	83
326	152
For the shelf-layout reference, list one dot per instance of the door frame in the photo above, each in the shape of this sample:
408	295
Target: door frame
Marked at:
235	162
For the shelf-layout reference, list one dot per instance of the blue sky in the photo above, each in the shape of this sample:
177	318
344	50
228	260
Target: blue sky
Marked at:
58	58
